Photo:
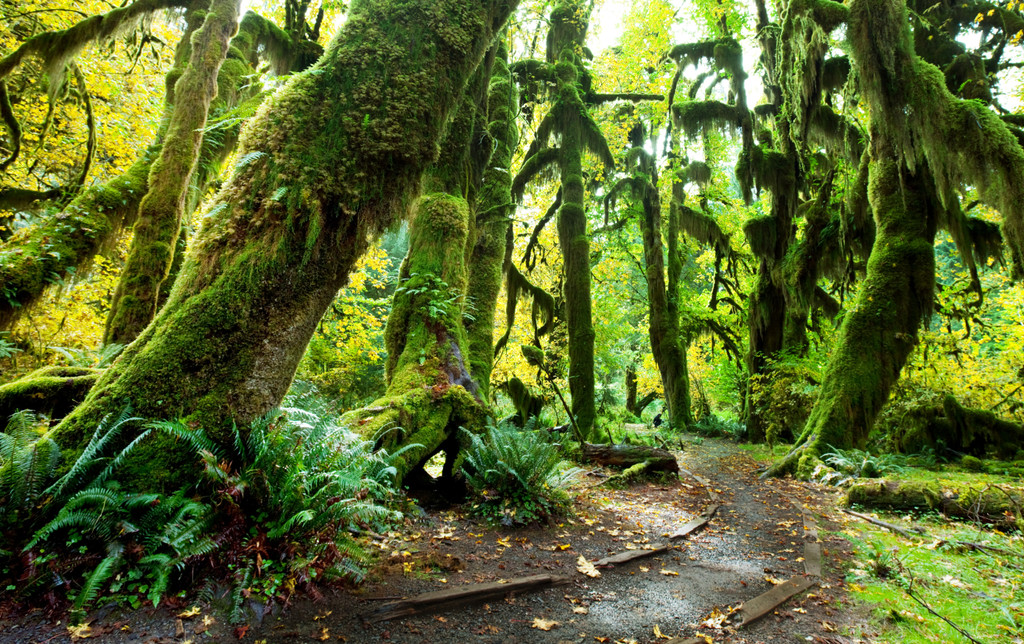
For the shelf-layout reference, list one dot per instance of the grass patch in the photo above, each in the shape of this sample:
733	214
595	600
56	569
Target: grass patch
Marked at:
980	591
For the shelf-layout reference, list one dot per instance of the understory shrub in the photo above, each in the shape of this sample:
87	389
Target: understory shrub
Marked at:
516	475
854	463
275	511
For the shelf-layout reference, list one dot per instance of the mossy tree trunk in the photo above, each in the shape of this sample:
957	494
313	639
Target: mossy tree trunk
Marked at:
926	146
430	392
878	334
667	343
570	119
332	160
439	331
162	209
493	217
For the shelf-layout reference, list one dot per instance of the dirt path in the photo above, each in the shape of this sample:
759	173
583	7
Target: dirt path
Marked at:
754	541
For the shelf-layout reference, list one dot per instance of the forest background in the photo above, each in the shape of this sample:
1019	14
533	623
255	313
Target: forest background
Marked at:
751	259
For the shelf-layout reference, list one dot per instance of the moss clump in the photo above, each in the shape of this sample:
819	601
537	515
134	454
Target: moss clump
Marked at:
51	390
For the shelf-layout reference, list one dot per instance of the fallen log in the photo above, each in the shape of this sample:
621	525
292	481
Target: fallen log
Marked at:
986	503
654	459
888	526
696	524
470	592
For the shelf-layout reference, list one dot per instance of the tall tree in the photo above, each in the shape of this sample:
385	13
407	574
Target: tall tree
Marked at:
334	158
570	119
926	146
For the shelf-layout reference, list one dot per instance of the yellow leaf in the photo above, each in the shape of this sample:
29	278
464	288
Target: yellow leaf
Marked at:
669	573
587	568
191	612
543	624
658	634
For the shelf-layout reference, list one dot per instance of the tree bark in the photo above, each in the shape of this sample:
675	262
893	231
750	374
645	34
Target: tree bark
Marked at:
494	212
667	344
162	209
879	332
333	159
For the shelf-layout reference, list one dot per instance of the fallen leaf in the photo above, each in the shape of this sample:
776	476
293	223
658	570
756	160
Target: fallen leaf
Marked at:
191	612
504	541
544	624
81	631
324	634
317	618
670	573
658	634
587	568
580	610
564	546
772	580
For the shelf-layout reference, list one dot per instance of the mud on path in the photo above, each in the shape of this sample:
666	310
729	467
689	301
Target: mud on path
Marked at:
755	540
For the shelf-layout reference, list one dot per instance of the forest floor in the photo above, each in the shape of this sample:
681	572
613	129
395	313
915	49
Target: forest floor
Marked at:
754	541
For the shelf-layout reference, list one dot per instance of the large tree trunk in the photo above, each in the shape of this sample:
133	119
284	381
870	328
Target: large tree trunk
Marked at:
667	344
879	332
328	163
162	209
430	392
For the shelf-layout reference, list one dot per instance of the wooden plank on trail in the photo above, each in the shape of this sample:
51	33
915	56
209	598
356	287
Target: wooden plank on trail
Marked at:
812	547
470	592
695	524
768	601
629	555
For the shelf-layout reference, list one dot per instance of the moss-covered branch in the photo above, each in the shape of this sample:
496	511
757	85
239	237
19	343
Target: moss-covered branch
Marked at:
333	159
13	127
51	390
57	48
162	209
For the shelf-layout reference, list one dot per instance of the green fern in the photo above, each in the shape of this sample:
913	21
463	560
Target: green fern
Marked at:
516	474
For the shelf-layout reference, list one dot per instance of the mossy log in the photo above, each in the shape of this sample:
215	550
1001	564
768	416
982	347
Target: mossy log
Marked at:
989	504
53	391
626	456
334	158
970	431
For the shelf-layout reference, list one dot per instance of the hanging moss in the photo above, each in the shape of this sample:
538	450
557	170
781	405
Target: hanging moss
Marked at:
696	117
162	209
762	234
879	332
542	314
57	48
334	158
835	72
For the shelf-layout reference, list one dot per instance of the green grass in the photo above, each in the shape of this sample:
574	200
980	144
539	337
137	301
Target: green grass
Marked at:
982	592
